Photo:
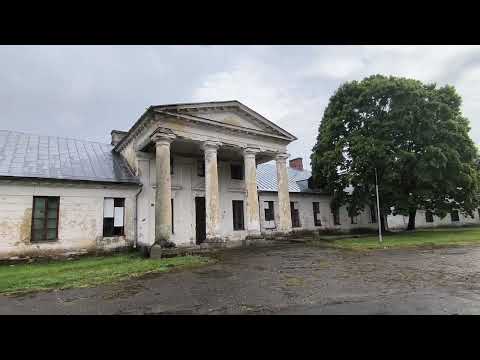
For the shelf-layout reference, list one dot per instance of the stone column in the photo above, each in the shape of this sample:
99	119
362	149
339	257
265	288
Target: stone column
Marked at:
163	192
212	198
253	215
285	224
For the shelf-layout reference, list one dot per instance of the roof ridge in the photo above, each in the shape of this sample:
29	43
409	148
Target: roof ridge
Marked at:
54	136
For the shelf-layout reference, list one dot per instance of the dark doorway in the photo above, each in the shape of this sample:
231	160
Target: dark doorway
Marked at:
294	213
201	230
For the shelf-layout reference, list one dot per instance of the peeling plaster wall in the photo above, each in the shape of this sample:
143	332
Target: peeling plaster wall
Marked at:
80	225
186	185
400	222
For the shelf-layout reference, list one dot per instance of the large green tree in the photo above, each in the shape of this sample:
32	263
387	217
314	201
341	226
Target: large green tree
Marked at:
412	133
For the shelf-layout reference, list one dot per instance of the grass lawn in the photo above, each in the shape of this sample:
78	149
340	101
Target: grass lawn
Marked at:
86	272
419	238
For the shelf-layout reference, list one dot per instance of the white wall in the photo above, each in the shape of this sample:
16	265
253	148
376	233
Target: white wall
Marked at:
186	185
400	222
305	206
80	224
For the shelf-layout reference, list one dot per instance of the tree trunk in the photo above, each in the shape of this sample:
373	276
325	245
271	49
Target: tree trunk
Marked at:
411	218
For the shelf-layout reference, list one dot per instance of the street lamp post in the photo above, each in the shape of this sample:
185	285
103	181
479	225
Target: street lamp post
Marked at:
378	209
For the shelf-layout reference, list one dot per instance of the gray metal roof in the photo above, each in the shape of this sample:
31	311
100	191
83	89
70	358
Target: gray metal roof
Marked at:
267	179
50	157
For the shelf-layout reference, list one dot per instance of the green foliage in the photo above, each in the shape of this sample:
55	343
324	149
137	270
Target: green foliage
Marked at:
85	272
413	134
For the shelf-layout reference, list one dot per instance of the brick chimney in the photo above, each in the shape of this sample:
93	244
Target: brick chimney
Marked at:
117	136
296	163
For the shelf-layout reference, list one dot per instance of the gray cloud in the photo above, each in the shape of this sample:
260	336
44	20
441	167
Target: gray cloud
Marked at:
85	91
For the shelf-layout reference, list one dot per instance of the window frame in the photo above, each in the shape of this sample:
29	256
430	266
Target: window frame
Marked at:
428	216
236	226
173	228
316	221
457	216
295	214
241	171
270	209
122	232
57	218
336	216
373	214
201	166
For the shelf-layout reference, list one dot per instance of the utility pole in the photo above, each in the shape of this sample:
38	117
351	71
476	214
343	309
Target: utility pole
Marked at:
378	209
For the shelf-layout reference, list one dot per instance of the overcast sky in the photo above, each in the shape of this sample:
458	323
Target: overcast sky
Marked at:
86	91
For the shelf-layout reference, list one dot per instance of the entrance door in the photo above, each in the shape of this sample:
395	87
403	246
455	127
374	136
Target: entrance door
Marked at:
294	214
201	227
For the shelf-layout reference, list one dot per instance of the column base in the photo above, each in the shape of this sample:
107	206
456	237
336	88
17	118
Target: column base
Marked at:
214	240
254	235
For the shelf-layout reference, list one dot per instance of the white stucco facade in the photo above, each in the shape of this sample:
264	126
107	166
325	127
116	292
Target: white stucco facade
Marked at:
400	222
192	179
80	221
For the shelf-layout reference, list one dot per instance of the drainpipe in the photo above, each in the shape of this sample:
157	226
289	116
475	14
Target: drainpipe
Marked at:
136	216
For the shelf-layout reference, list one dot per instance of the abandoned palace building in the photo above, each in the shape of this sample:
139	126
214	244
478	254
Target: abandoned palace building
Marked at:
184	174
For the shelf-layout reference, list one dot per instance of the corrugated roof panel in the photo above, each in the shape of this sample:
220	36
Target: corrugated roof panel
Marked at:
50	157
267	178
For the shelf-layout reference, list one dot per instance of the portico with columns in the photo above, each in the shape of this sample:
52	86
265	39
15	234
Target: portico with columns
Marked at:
197	165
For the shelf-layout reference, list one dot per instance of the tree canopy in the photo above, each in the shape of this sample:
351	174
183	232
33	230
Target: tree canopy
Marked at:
413	134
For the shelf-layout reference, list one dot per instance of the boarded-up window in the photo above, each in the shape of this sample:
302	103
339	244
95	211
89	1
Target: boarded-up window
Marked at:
428	216
45	218
454	215
237	206
316	214
269	212
113	217
236	171
295	214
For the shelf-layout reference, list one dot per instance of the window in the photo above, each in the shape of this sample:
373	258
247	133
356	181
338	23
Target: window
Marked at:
373	214
294	214
269	212
428	216
45	218
172	214
236	171
353	219
454	216
316	214
237	215
336	216
113	216
201	168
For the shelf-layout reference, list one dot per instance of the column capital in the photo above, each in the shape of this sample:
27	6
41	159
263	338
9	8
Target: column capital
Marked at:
250	151
162	136
141	155
211	145
282	156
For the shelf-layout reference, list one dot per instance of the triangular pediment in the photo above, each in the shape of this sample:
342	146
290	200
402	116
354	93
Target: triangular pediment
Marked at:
229	113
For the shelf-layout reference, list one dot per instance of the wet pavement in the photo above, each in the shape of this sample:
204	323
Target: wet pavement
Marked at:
286	279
